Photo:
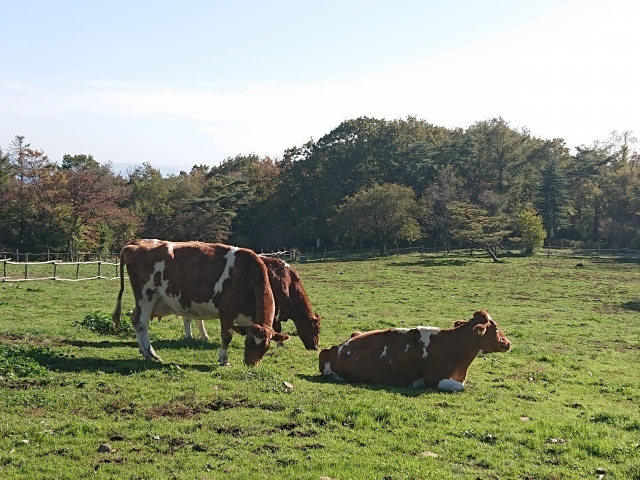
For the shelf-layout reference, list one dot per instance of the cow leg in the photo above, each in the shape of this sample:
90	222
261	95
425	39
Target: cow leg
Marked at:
187	327
226	331
140	319
201	329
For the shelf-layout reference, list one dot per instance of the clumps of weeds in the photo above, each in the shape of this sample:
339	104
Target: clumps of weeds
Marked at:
17	361
101	324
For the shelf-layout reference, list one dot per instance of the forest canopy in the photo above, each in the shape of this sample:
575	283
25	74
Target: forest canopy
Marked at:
369	182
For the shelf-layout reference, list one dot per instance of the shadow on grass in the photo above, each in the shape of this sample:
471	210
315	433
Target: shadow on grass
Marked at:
406	391
63	363
433	262
157	344
634	306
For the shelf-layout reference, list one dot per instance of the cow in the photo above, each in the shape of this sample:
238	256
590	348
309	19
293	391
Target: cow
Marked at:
291	303
427	357
199	280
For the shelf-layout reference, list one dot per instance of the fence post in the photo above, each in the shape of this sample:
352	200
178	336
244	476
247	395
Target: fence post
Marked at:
26	270
99	265
77	270
55	270
4	269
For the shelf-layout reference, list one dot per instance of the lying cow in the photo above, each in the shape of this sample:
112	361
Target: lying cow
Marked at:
291	303
199	280
415	357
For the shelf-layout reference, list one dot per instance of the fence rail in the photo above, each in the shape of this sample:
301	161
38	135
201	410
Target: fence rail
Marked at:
15	271
55	270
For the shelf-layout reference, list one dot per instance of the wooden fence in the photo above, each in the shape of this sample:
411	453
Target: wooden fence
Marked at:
57	270
14	271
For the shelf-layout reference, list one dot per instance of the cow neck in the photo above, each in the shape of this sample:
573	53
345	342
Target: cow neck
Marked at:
462	352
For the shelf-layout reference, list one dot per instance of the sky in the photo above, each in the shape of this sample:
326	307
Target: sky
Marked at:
178	84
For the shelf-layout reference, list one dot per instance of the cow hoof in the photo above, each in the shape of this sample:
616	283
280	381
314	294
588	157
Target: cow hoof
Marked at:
225	364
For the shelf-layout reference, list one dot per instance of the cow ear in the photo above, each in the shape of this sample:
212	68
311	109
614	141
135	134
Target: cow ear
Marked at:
481	329
280	337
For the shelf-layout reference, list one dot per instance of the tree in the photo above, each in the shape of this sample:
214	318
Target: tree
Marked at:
90	196
440	197
383	214
554	191
475	225
530	226
79	162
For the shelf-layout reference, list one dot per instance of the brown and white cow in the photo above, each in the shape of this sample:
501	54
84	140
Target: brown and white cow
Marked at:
291	300
199	280
415	357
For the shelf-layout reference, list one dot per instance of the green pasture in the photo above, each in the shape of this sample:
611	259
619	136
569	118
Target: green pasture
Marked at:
563	404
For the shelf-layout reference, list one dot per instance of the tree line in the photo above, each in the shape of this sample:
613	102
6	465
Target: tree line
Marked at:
369	182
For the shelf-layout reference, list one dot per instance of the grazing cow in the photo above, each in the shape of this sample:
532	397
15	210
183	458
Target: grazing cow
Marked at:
291	303
415	357
199	280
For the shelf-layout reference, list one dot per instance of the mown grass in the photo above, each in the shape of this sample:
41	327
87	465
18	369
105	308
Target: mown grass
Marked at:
562	404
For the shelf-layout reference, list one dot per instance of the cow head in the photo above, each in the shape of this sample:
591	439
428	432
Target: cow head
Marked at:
491	337
308	330
257	342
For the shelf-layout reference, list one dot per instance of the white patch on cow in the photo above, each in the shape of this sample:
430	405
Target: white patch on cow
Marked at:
384	352
223	357
258	340
243	321
327	371
170	248
418	383
146	305
400	330
231	260
450	385
348	352
286	265
345	344
489	317
425	337
406	349
277	317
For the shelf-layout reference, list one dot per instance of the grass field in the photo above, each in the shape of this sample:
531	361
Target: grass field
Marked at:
563	404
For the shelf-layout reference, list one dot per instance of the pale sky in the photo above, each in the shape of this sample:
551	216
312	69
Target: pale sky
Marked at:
194	82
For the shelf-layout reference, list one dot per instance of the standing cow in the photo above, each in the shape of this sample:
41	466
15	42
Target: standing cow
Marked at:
199	280
291	300
415	357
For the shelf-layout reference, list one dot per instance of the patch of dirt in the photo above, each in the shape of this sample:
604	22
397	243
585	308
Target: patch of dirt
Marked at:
22	384
310	446
117	461
8	338
186	408
267	448
121	407
234	431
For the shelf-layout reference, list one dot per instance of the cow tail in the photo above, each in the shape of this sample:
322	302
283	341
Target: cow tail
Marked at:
116	316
